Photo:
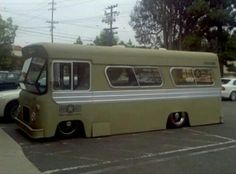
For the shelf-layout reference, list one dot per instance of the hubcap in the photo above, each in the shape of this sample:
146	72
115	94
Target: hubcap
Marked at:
178	119
233	96
67	128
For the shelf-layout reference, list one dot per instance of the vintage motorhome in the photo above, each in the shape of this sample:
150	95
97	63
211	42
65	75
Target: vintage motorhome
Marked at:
102	91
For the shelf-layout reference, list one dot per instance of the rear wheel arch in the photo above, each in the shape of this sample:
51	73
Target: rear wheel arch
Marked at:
70	128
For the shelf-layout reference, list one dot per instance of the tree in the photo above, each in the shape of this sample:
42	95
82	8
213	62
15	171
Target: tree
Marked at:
229	54
183	24
78	41
104	39
215	24
159	23
145	22
7	36
196	25
129	44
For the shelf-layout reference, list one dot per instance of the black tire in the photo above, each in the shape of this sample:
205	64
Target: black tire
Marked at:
11	110
67	128
233	96
177	120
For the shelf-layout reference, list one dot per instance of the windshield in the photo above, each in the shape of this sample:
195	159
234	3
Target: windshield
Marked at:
33	76
225	81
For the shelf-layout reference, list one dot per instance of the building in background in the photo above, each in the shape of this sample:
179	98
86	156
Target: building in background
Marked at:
17	51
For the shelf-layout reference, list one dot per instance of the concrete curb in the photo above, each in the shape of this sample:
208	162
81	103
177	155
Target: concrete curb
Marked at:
12	158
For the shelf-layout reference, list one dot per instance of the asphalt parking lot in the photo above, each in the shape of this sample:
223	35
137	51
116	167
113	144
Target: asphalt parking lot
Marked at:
204	149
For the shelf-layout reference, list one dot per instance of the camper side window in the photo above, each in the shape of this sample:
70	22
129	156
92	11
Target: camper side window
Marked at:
148	77
193	77
183	76
203	76
71	76
121	77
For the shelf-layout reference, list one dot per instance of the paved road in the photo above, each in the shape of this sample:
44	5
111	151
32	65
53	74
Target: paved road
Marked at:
205	149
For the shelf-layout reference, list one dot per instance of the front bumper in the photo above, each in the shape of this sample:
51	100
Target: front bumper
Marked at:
33	133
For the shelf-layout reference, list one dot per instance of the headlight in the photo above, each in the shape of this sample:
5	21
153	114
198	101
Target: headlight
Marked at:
33	116
1	96
19	110
37	107
35	113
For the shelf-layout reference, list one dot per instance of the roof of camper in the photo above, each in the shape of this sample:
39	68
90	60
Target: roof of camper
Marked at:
117	54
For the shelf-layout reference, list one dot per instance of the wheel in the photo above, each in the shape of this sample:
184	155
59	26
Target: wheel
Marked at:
177	120
233	96
67	128
11	110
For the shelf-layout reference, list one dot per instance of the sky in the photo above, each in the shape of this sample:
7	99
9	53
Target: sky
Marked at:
75	18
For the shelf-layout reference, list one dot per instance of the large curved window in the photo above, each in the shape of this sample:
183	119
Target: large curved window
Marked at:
33	76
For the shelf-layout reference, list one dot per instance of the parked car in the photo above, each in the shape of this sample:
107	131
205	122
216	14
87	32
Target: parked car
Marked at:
229	88
9	94
9	103
9	80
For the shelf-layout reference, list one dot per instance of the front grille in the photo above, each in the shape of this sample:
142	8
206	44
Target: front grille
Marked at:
69	109
26	114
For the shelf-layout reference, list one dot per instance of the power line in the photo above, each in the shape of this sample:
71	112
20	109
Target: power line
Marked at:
57	34
23	14
74	4
20	3
45	35
36	11
32	29
79	19
83	26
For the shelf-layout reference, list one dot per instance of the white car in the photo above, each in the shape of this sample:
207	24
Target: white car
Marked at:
229	88
9	103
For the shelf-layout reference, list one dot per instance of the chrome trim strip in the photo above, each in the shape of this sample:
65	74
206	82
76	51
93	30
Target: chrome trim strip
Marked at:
133	95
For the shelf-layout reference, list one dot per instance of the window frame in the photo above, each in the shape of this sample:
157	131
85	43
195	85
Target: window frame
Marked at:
133	69
72	74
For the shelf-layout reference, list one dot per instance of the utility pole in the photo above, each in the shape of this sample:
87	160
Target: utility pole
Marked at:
52	22
109	19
